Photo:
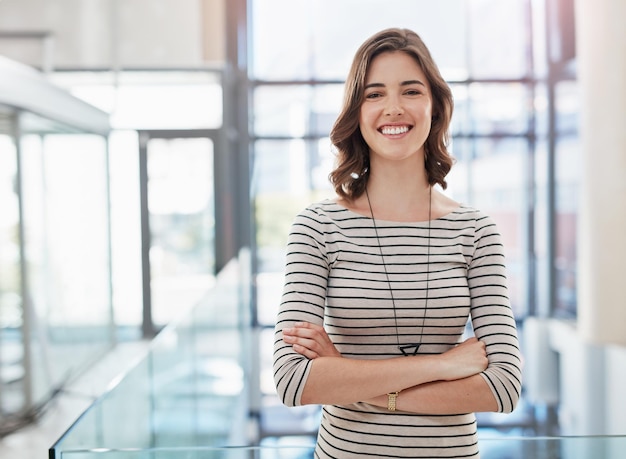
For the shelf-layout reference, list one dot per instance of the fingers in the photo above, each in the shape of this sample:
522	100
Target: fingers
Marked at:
305	330
305	346
308	353
310	340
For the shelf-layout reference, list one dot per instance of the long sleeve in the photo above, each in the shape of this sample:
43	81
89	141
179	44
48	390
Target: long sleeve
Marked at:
303	299
492	318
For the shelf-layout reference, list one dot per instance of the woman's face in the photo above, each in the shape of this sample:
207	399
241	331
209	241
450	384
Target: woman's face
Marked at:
395	117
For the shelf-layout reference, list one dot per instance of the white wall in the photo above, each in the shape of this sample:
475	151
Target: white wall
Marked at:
592	379
115	33
615	377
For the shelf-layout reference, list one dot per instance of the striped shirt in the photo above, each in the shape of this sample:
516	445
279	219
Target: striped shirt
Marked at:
336	276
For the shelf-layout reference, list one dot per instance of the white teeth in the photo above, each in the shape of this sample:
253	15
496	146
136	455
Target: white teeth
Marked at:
394	130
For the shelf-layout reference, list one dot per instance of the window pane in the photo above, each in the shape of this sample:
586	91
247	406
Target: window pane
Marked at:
11	318
498	38
567	107
498	108
567	185
320	38
567	180
492	109
67	251
296	111
182	229
288	175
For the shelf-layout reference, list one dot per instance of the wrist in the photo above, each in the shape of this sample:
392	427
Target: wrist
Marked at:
392	400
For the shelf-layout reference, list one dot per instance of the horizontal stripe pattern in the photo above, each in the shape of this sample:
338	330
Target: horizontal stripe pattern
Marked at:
335	275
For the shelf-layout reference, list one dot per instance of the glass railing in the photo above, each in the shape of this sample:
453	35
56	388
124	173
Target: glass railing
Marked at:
502	448
192	396
190	389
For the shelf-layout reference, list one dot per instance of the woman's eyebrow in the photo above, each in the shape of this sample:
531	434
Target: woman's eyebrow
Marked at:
411	82
404	83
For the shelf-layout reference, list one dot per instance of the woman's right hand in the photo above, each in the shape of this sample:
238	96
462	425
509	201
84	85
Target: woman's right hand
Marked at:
310	340
464	360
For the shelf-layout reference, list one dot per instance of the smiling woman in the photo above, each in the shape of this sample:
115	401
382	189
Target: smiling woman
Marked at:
382	280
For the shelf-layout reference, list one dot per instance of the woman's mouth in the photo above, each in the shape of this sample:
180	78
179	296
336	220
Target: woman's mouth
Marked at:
394	130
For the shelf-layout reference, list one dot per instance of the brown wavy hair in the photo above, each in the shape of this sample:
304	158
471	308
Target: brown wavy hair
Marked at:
352	150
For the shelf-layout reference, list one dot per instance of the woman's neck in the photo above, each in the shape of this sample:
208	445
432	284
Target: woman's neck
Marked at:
400	201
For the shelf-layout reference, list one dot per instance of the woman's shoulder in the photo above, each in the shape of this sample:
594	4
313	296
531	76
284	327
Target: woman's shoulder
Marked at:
328	216
467	217
471	220
329	209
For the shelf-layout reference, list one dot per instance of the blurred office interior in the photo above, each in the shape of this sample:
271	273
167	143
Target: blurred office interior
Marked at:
151	150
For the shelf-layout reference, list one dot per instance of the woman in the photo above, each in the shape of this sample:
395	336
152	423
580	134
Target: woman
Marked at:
381	281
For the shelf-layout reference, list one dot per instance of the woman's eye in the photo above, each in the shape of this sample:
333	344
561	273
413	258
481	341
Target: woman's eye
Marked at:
372	95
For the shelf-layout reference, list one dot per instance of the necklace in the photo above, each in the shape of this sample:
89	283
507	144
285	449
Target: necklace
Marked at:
405	349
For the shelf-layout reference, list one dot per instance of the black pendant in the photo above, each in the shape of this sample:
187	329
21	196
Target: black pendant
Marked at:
409	349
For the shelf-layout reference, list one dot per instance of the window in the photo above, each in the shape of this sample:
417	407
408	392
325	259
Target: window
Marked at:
512	162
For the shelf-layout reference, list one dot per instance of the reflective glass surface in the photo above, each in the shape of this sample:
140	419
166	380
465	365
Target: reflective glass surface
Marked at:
491	448
567	174
66	221
182	213
11	317
296	110
498	37
320	37
55	282
191	389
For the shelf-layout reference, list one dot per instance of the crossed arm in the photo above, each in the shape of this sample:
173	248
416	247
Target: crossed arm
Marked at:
449	383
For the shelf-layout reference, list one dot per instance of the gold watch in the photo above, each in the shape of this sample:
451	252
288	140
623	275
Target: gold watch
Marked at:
391	400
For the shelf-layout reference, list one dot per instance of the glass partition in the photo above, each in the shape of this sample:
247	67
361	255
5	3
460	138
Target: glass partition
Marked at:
493	448
55	289
11	349
190	391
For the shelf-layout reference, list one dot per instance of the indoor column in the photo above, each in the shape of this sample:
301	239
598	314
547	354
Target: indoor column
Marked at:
601	50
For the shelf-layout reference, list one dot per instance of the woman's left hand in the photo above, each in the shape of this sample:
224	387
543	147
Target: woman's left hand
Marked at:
310	340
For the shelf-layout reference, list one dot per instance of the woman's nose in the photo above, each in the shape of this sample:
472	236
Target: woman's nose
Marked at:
393	107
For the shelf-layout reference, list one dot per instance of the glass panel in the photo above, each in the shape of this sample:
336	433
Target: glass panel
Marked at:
542	235
499	108
541	110
11	319
567	178
126	233
189	391
462	120
287	176
182	212
67	250
567	171
491	448
296	111
567	107
321	45
498	38
492	109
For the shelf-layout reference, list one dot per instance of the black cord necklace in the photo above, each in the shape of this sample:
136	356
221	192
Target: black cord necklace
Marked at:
406	349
